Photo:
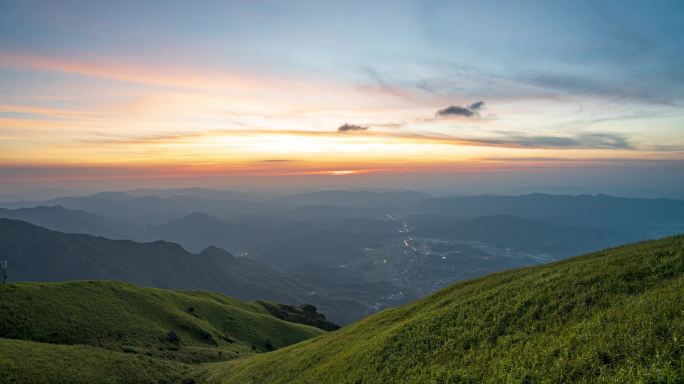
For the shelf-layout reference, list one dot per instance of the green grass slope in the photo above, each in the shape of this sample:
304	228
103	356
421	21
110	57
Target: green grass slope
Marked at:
188	327
615	316
28	362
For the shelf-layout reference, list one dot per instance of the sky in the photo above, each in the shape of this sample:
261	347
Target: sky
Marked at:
470	96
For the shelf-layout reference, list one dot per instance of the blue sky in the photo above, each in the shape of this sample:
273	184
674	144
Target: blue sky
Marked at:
168	83
580	46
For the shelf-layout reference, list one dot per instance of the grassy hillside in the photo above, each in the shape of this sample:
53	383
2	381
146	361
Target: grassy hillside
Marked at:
614	316
38	363
183	326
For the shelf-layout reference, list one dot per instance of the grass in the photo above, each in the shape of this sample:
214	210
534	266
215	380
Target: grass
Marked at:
28	362
615	316
189	327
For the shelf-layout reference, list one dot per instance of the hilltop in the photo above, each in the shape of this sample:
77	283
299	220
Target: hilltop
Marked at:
94	330
611	316
127	318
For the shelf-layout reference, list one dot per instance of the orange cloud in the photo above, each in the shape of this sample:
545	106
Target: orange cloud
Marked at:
179	77
214	79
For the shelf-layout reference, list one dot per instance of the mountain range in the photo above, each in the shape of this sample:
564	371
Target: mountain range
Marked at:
640	217
611	316
38	254
350	253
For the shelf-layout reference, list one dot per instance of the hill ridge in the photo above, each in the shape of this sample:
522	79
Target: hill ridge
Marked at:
39	254
611	316
188	326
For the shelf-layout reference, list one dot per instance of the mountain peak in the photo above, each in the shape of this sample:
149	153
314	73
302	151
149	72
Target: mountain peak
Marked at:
216	252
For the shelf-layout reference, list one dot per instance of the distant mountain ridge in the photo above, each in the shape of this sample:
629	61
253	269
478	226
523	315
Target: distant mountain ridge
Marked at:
38	254
151	210
646	218
642	217
525	235
356	198
199	230
66	220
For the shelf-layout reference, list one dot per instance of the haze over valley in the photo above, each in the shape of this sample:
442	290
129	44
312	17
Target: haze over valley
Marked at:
349	253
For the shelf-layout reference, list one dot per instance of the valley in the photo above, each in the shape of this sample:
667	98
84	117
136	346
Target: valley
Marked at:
350	253
612	316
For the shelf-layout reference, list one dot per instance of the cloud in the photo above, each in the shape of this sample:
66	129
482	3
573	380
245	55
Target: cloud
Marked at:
476	106
456	110
588	140
175	76
604	140
471	110
351	127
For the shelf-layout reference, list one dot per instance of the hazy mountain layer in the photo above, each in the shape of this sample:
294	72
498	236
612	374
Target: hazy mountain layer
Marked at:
645	218
38	254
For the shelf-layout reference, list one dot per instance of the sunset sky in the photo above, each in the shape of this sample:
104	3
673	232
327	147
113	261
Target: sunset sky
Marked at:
171	90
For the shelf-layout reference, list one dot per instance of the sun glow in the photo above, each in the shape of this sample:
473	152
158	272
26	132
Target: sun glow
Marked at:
343	172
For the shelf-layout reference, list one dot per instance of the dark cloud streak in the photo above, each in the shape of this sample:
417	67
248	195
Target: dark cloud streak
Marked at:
351	128
589	140
476	106
586	140
468	111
